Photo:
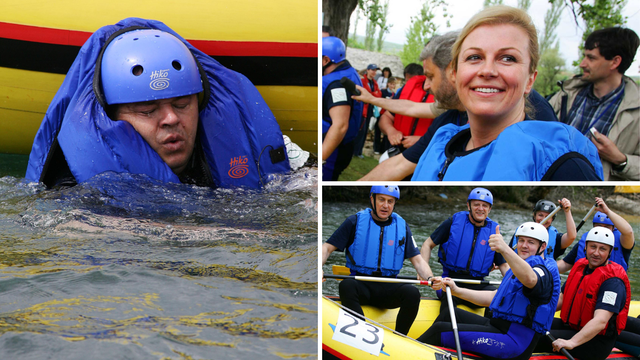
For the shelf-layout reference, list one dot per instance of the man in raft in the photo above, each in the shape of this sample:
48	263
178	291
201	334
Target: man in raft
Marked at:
140	99
558	242
463	239
624	240
594	302
376	242
522	308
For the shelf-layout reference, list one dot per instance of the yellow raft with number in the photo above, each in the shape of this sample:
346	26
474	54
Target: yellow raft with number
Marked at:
354	339
273	43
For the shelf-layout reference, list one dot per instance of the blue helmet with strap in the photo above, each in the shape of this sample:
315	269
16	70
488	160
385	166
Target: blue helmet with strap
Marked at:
602	218
334	49
145	65
386	190
481	194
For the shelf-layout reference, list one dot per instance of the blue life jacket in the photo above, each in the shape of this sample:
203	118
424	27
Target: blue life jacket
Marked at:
510	303
467	249
355	117
616	255
524	151
377	248
240	138
551	245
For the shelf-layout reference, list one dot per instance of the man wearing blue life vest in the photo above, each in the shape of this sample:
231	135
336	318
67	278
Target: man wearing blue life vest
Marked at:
376	242
522	308
558	242
464	248
341	115
140	99
594	303
624	240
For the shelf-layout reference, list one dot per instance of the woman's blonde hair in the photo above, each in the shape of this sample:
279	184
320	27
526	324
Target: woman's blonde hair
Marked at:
497	15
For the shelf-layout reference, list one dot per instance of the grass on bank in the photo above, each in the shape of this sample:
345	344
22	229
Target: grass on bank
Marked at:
358	168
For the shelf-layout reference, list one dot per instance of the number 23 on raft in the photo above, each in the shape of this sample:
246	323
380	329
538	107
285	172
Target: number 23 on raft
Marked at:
357	333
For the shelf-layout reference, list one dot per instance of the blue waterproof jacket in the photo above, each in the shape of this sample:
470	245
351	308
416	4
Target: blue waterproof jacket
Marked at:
524	151
510	303
616	255
377	248
240	138
355	117
467	250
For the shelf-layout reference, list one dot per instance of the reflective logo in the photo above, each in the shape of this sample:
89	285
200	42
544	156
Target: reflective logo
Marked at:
390	243
483	242
239	167
159	80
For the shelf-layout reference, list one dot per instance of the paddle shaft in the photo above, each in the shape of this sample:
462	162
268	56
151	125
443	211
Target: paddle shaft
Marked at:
550	215
409	280
586	217
564	351
454	323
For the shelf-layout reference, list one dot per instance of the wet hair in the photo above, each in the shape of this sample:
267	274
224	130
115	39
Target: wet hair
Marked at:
328	30
498	15
413	69
438	49
615	41
387	69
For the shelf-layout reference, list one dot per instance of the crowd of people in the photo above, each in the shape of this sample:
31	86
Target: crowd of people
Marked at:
472	114
593	302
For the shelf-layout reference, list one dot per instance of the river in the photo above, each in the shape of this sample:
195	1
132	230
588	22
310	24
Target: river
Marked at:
123	267
423	218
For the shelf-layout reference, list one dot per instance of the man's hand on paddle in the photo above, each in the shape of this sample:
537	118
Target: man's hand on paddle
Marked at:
496	241
562	343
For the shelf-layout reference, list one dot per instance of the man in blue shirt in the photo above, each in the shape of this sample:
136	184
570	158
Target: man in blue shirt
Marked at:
376	242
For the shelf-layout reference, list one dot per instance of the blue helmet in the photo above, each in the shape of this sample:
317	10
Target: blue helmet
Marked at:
144	65
602	218
333	48
481	194
386	190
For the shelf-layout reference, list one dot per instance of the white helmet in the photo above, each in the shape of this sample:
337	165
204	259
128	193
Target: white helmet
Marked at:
601	235
533	230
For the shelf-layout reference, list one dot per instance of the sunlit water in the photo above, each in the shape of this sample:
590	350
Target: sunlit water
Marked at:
122	267
424	219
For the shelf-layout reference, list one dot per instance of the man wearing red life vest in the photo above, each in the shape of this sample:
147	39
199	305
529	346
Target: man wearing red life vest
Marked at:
594	302
404	131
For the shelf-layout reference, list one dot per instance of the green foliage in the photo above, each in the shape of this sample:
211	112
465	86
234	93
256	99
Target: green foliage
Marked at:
422	29
596	14
551	22
488	3
550	70
524	4
383	26
376	16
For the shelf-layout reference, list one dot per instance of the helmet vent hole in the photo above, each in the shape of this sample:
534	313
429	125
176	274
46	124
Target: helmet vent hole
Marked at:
176	65
135	39
157	35
137	70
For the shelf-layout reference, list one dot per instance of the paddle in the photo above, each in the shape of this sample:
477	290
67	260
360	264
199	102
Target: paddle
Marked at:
586	217
454	324
565	352
542	222
406	280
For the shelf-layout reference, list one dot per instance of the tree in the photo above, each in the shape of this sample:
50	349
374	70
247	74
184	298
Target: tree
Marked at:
336	14
422	28
550	69
551	22
524	4
382	26
602	14
488	3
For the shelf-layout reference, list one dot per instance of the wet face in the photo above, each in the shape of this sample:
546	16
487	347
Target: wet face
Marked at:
597	253
442	89
384	206
540	215
169	126
493	72
595	67
528	246
479	210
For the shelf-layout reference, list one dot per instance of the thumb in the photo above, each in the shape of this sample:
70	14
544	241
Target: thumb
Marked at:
497	229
